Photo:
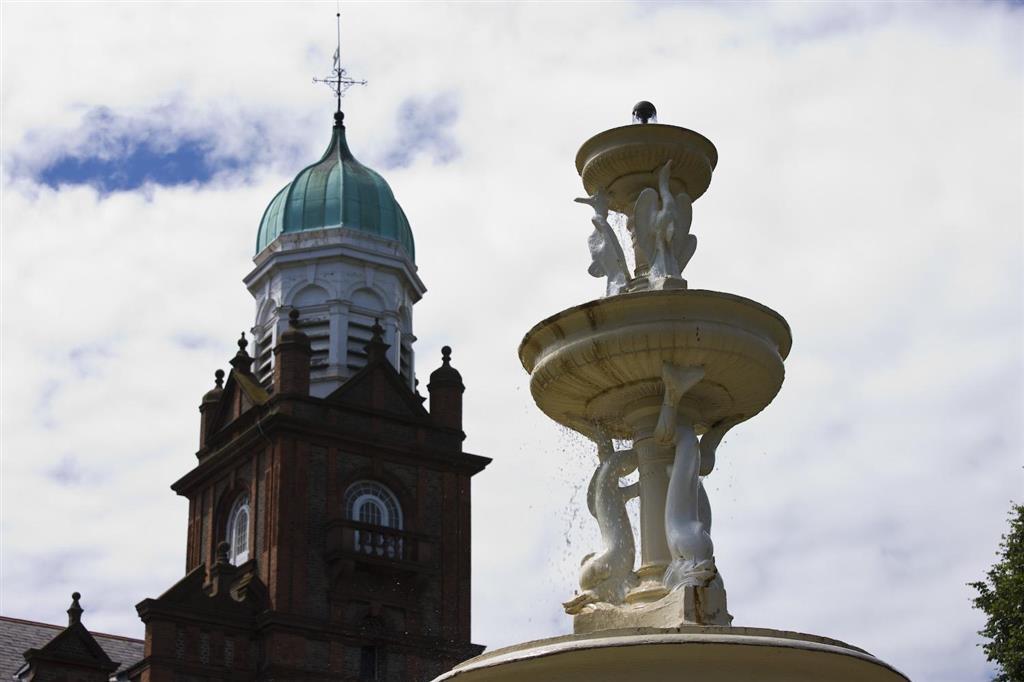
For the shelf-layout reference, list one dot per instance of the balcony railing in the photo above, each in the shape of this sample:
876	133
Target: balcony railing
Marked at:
356	540
385	543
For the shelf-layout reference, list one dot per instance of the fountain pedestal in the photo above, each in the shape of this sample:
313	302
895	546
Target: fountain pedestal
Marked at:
653	462
600	366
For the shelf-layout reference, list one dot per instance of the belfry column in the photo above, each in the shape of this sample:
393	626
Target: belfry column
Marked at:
393	337
412	362
337	356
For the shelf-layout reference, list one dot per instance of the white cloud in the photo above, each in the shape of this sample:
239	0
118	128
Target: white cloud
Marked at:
869	189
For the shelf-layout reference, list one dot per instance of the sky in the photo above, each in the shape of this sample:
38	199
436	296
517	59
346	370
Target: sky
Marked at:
869	189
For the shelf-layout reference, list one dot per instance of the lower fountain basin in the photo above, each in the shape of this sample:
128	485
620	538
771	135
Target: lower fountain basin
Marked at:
591	362
708	654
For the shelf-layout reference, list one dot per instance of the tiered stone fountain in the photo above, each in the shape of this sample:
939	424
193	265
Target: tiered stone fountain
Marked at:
670	369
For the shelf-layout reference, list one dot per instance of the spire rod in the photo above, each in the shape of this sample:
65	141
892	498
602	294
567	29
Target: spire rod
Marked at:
338	80
337	50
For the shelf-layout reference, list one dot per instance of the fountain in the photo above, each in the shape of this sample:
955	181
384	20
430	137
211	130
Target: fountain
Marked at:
669	369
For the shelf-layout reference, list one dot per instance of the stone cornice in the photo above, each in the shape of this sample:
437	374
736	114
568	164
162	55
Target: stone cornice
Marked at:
267	420
329	243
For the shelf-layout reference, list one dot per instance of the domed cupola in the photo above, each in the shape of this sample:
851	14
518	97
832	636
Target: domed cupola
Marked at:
335	245
336	191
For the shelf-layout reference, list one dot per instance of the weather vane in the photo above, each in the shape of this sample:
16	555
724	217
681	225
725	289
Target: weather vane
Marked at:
338	80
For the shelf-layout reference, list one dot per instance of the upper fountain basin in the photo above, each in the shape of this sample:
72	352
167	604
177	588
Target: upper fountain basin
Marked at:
625	160
588	364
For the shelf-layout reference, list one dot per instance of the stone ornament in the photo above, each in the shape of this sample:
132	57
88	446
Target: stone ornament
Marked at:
669	368
672	370
689	540
659	225
607	576
609	260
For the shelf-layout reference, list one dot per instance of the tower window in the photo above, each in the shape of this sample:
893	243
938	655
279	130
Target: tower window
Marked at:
359	334
264	365
371	503
371	512
237	533
263	338
368	663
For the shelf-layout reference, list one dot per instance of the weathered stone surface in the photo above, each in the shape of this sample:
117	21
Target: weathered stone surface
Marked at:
590	362
687	605
708	654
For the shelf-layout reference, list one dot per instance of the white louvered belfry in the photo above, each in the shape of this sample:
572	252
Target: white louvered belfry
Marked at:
341	281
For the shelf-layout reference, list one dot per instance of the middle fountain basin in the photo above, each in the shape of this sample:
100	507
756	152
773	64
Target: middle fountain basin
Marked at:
588	364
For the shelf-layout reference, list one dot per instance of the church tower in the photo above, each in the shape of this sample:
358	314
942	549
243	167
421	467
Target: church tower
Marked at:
329	507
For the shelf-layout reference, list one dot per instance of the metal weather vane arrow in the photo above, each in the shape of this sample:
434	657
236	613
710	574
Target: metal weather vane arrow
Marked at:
338	80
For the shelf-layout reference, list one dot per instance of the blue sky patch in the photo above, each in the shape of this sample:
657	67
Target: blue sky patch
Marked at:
139	166
114	152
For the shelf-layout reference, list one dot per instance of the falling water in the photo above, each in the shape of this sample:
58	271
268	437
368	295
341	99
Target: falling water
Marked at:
618	222
580	533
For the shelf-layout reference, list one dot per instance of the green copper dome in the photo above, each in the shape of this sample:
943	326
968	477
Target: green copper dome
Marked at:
336	191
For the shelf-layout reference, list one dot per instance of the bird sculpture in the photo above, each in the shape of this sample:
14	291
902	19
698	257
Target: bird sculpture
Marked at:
661	230
608	259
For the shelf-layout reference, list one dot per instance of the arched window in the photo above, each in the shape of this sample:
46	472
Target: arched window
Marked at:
237	534
371	503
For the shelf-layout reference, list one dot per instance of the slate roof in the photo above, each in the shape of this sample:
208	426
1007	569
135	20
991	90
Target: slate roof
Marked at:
17	635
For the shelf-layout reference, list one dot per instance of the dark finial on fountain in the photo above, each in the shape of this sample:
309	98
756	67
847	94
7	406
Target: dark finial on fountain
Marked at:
644	112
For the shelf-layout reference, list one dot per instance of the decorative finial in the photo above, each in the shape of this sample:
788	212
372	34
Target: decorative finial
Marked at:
644	112
338	80
223	548
376	349
445	375
218	378
75	610
293	318
242	362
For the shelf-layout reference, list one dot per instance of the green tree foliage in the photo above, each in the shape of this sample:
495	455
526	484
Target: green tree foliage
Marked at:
1001	596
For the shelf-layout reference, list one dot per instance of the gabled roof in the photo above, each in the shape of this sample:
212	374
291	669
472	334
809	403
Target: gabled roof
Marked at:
380	387
235	593
239	382
17	636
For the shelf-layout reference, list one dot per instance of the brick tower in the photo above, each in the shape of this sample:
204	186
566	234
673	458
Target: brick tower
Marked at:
329	511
